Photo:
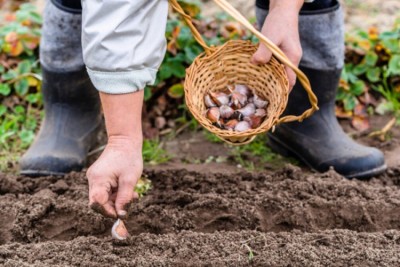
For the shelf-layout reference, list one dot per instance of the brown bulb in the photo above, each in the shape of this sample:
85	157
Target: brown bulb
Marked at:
213	114
259	102
242	89
247	111
119	231
219	98
242	126
254	121
226	111
208	101
231	124
238	100
260	112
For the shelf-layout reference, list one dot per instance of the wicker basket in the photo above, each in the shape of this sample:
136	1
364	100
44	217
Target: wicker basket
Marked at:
229	64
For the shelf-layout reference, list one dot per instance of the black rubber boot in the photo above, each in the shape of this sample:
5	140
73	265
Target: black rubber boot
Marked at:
72	106
319	141
72	122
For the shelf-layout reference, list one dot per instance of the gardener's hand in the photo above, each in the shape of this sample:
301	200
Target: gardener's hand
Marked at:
113	176
281	27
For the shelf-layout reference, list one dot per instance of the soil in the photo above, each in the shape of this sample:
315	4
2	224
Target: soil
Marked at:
210	215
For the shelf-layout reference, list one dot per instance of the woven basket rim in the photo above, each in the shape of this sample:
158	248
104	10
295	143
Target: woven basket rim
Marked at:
226	134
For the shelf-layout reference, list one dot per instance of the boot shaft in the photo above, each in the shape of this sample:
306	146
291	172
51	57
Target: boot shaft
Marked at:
61	46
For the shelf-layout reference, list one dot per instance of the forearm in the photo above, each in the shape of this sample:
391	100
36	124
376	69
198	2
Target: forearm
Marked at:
123	116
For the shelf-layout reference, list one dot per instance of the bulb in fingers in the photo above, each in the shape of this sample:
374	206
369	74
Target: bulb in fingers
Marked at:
119	231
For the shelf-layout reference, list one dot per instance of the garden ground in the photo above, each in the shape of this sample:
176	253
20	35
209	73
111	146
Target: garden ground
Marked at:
210	214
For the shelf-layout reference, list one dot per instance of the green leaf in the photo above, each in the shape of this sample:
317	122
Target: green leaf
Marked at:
26	136
392	45
147	93
178	70
35	17
22	30
371	58
357	88
384	107
185	37
165	72
176	91
360	69
374	74
394	65
3	110
22	86
19	109
24	67
344	74
5	89
30	123
349	103
341	94
11	74
191	52
33	98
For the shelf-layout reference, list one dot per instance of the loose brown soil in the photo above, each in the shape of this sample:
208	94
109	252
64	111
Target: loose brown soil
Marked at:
208	215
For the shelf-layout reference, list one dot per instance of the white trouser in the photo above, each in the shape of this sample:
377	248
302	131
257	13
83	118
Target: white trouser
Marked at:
123	42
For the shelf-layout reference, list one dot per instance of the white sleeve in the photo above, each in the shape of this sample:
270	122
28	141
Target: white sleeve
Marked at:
123	42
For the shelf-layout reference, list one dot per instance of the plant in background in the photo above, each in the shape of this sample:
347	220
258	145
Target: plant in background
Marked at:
372	70
143	186
153	153
20	80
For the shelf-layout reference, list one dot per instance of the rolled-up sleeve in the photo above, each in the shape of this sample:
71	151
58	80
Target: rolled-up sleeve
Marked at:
123	42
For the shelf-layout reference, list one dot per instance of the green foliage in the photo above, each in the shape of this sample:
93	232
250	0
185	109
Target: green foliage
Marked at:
373	62
20	80
253	156
153	153
256	154
143	186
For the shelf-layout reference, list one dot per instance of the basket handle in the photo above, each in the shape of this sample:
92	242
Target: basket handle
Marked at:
197	36
271	46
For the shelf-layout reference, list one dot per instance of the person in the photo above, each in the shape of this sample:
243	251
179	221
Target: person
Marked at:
122	46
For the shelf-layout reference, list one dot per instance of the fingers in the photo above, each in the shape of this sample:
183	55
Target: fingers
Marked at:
262	56
294	54
99	199
291	77
125	195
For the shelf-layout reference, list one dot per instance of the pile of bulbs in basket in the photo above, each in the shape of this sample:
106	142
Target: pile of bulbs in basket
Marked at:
239	110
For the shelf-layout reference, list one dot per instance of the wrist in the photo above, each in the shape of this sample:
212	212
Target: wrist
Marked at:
125	142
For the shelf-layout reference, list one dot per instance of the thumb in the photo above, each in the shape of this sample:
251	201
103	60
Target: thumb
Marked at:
262	55
125	195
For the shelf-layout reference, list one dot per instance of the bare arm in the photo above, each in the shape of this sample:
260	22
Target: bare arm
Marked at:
113	176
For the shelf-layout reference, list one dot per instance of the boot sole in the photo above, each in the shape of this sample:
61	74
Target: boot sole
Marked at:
38	173
285	151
